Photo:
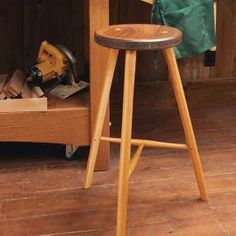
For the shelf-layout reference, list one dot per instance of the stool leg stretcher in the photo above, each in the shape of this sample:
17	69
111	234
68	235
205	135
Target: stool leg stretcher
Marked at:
147	143
135	159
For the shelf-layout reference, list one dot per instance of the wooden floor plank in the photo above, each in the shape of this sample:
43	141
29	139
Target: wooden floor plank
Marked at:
41	194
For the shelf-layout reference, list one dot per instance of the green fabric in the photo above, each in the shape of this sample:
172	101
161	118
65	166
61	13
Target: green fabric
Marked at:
195	18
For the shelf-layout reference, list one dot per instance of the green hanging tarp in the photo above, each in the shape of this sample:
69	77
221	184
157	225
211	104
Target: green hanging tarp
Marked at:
195	18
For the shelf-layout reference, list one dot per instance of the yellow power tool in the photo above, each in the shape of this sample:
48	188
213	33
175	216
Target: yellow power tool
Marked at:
56	63
51	64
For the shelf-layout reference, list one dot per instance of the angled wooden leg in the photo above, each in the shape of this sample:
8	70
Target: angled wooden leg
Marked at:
112	59
186	121
125	147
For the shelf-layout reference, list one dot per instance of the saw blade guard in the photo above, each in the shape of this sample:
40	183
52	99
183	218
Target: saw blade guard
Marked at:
72	70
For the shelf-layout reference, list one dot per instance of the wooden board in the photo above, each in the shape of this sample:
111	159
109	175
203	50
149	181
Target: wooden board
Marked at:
20	105
64	126
98	18
65	122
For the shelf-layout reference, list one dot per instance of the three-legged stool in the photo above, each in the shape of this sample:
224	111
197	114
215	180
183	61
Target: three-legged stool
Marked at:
133	38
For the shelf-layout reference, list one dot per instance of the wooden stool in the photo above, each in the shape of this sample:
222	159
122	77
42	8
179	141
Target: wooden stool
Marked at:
133	38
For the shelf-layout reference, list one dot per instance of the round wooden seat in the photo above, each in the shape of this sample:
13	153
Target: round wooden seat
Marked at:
138	36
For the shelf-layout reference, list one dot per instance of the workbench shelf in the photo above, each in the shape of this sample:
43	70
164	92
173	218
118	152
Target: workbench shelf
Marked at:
65	122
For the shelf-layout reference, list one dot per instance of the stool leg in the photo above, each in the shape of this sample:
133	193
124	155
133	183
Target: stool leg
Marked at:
112	59
186	121
125	148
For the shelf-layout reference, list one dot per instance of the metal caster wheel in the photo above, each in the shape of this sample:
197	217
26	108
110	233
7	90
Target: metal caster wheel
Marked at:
70	152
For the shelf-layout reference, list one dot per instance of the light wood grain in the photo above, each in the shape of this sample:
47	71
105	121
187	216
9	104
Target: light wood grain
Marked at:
27	104
135	159
98	18
186	121
147	143
42	127
15	84
125	147
99	123
63	123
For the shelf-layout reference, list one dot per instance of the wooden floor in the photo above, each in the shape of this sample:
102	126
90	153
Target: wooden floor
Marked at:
41	194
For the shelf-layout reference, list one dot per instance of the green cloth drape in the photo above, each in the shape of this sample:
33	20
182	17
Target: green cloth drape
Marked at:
195	18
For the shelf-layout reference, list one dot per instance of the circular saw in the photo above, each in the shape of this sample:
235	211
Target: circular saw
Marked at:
56	63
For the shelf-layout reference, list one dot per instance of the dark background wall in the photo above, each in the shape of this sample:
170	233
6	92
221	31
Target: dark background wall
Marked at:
25	23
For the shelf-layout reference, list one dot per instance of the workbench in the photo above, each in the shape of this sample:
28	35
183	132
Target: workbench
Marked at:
69	121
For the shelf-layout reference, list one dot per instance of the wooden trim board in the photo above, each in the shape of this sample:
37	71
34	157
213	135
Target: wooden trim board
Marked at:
20	105
62	126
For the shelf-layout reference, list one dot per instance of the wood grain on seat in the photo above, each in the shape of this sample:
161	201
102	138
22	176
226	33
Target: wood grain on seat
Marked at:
138	36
